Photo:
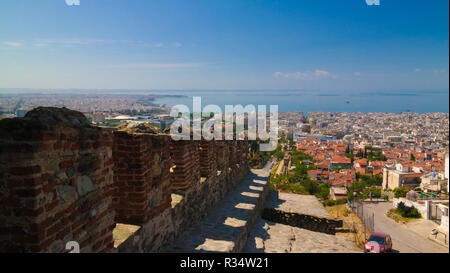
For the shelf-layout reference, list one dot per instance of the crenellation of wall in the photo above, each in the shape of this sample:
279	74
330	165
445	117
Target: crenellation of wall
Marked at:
185	171
222	155
142	168
207	158
56	183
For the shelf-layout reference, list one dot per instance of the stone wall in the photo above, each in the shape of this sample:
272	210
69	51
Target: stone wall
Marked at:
309	222
189	204
63	180
56	183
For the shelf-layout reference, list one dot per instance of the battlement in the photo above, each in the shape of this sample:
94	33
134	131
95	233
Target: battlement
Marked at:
63	180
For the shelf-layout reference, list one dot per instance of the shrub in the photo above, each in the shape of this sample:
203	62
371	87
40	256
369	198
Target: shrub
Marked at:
330	203
407	212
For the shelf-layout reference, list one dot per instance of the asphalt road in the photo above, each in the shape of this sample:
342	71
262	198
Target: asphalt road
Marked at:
404	240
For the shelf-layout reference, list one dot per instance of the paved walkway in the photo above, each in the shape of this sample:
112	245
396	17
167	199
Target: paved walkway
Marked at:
412	239
227	226
280	168
301	204
271	237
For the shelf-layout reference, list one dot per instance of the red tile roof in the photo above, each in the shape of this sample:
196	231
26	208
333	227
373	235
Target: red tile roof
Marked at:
341	160
412	175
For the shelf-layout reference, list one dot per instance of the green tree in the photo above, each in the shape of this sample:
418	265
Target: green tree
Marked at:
400	192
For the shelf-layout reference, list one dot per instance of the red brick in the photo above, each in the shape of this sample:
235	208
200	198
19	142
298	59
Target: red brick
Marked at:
28	192
66	164
25	170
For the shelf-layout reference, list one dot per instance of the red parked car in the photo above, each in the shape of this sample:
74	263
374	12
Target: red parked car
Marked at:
378	243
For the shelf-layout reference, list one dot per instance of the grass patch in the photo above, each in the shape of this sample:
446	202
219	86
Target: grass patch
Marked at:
351	222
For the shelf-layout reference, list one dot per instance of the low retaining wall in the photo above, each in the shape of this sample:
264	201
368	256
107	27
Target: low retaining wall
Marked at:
308	222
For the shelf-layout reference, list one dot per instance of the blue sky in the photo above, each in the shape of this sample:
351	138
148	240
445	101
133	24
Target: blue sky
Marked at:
225	44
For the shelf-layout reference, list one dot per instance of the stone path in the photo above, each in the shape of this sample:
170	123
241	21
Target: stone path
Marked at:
269	237
301	204
235	225
227	226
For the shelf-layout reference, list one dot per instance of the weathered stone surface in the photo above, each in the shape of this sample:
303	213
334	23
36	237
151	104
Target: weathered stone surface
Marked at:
84	185
53	166
70	172
61	176
54	115
66	192
156	165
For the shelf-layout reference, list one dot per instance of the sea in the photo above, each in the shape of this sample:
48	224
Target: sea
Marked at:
289	100
316	101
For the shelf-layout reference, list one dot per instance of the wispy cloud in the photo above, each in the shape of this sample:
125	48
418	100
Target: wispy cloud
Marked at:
177	44
72	42
439	71
161	66
357	74
158	45
417	70
12	44
66	42
77	42
174	44
315	75
169	65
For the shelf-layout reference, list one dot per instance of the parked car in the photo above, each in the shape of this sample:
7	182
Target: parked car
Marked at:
378	243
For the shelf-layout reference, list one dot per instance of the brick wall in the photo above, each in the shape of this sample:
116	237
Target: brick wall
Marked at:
222	153
56	183
233	152
185	159
142	168
207	157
